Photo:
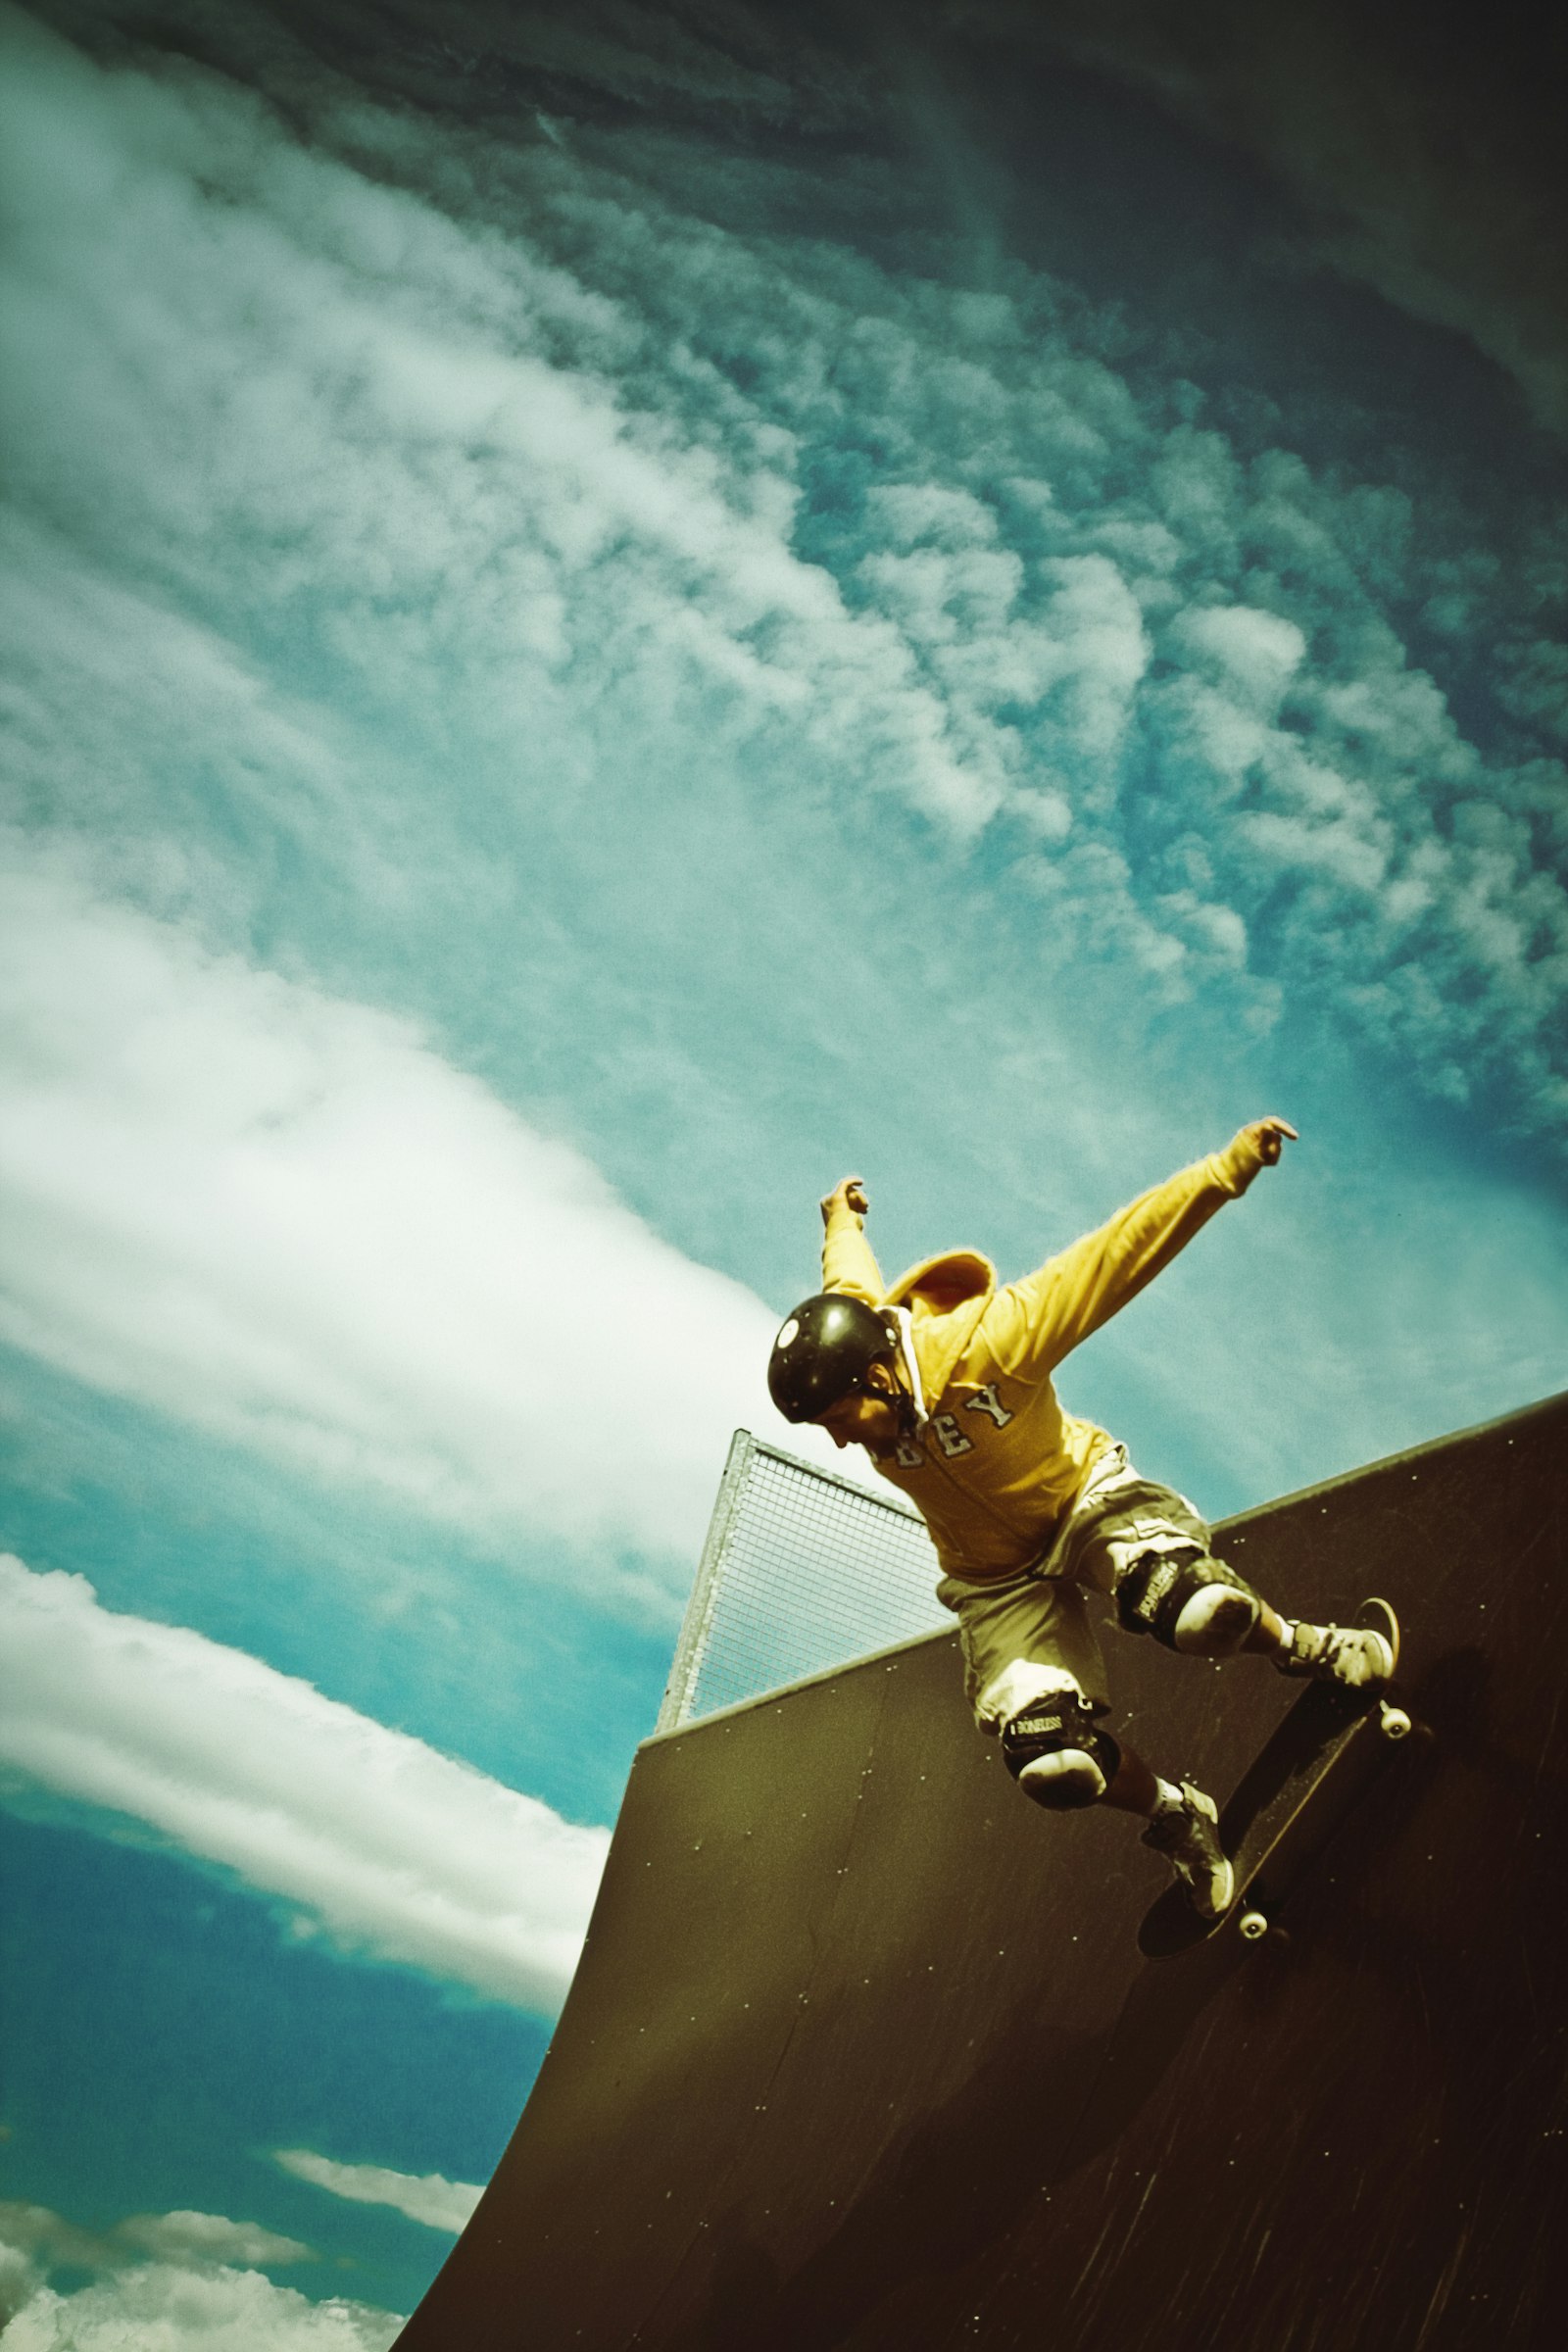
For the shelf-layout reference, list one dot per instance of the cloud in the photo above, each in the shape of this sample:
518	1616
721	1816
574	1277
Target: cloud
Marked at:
193	2240
428	2197
541	465
19	2280
282	1218
553	519
388	1846
208	2239
1424	169
38	2240
165	2307
1251	655
201	2290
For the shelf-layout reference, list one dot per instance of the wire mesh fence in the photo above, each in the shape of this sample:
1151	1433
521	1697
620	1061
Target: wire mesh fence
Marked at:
801	1572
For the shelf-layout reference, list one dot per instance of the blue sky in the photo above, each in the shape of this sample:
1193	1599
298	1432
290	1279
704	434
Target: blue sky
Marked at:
609	615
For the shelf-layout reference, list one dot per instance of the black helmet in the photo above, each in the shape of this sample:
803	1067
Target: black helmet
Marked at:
824	1351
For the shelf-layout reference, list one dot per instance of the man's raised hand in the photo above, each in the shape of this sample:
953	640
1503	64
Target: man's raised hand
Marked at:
852	1192
1268	1138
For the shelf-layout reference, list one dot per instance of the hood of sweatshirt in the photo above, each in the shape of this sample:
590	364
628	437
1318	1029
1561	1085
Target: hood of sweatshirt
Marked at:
945	1297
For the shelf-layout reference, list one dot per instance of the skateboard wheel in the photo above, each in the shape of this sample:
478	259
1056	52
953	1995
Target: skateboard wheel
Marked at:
1253	1925
1393	1723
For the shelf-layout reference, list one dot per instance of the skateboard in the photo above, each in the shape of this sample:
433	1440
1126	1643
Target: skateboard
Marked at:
1311	1771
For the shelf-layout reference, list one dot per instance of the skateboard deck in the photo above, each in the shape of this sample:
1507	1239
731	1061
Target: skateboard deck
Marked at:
1308	1774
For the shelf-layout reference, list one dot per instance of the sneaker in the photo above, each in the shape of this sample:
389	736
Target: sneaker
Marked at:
1353	1655
1216	1622
1188	1836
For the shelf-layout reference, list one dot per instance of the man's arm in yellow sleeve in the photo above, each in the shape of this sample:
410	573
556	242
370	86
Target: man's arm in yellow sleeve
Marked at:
1032	1324
849	1263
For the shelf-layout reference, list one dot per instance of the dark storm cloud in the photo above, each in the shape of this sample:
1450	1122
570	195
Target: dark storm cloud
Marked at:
1411	151
1426	143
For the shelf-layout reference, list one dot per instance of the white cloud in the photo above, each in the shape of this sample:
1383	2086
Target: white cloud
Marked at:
427	2197
388	1845
18	2280
36	2235
280	1217
509	501
209	2239
163	2308
530	497
206	2241
201	2294
1256	654
121	707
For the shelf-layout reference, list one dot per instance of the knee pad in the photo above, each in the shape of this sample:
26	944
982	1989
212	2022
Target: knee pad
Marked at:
1152	1591
1062	1726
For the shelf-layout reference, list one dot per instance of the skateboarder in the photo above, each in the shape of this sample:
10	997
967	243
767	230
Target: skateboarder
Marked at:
945	1378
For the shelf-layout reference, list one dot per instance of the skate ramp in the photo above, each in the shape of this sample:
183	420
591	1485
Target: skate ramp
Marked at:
861	2051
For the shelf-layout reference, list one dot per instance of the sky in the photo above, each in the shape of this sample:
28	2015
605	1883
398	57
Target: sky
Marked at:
610	613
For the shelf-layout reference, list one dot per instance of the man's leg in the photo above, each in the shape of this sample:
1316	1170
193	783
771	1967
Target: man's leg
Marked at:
1146	1547
1051	1743
1136	1785
1183	1827
1036	1680
1059	1756
1063	1760
1357	1656
1189	1600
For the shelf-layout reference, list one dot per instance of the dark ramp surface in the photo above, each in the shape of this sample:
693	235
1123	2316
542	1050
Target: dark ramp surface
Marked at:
861	2051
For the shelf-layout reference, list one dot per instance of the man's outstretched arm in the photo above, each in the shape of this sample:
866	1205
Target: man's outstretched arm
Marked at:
1032	1324
849	1263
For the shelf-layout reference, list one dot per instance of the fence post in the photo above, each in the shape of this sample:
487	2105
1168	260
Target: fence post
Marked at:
698	1623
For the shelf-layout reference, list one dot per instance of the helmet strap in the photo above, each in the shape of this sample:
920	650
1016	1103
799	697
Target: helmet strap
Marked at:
912	1410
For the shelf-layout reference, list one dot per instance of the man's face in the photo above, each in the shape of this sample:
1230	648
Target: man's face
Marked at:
868	1417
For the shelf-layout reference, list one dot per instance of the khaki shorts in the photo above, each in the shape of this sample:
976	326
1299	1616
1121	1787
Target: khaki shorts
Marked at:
1023	1634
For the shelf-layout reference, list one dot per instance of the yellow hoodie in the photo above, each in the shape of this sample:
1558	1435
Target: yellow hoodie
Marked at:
996	1463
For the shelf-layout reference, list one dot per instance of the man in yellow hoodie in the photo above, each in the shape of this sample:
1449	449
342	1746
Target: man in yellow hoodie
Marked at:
946	1380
